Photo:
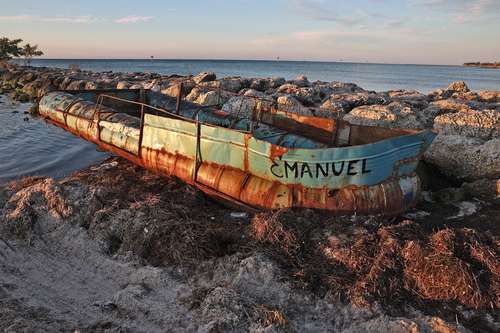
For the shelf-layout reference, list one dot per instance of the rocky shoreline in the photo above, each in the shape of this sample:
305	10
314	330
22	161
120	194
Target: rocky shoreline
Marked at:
467	148
114	248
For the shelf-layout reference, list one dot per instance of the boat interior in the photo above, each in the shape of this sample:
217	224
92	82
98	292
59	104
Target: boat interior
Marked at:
122	111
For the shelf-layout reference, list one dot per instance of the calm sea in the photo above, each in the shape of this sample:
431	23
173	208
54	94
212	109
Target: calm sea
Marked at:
369	76
35	148
29	146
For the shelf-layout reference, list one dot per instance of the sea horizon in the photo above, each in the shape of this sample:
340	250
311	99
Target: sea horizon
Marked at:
246	60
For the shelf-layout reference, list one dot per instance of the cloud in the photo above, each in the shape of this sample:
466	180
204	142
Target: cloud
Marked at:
316	10
463	11
16	18
65	19
83	19
133	19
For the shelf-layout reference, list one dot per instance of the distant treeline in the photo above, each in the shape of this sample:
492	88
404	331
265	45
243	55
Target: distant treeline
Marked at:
483	64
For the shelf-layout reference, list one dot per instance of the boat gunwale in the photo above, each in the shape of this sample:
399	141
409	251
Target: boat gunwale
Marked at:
102	92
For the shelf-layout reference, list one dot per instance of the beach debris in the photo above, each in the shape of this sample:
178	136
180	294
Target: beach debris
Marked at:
239	215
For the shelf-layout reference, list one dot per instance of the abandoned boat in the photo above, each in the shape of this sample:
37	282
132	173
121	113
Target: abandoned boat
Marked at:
269	160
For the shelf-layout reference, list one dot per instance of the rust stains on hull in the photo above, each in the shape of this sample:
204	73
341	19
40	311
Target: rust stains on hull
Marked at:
253	174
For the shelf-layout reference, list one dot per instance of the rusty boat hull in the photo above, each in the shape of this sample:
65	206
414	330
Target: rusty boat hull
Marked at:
271	160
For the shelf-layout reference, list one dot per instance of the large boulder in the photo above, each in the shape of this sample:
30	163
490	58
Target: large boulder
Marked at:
412	97
232	84
301	81
452	105
306	95
484	189
489	96
26	78
156	85
137	85
123	85
77	85
394	115
205	77
333	108
243	106
290	104
428	115
91	85
240	106
464	157
207	97
287	88
172	90
458	86
260	84
276	81
483	124
339	105
344	87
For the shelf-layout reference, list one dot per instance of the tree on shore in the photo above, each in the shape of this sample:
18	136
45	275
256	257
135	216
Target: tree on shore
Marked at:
10	48
30	51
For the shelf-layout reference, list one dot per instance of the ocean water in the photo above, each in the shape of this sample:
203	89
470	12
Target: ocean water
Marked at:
379	77
29	146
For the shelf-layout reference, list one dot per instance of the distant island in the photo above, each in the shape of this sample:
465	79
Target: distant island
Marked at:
483	64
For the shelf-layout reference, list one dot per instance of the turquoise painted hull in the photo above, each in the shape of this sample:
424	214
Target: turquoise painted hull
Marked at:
255	165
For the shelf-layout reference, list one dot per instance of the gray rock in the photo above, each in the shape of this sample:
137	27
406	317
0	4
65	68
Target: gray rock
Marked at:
484	189
77	85
276	81
451	105
138	85
394	115
240	106
207	97
288	88
458	86
344	88
455	87
480	124
123	85
489	96
156	85
411	97
333	108
290	104
361	98
65	82
439	94
173	89
260	84
91	85
204	77
253	93
232	84
301	81
465	158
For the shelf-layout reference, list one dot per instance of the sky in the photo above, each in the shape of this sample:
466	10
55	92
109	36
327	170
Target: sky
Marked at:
378	31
